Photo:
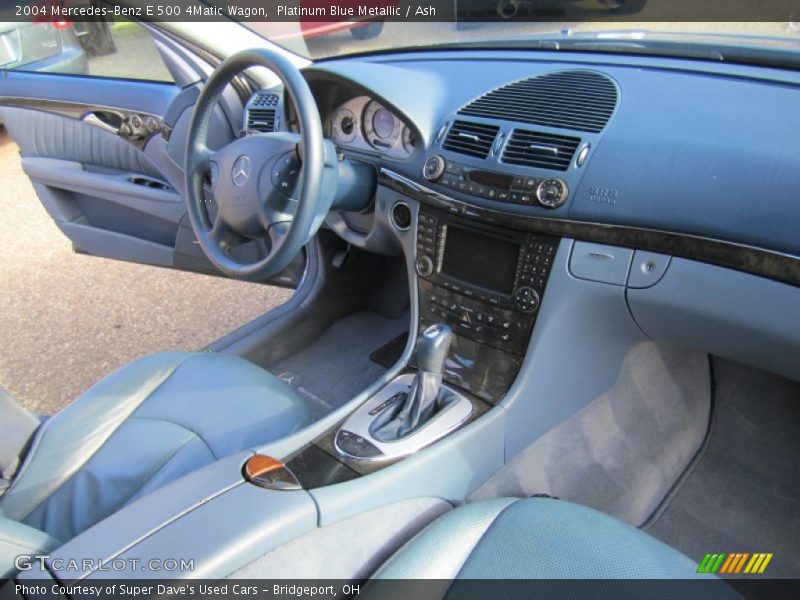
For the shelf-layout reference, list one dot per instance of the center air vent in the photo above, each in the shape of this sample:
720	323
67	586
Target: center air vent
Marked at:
579	100
542	150
261	112
474	139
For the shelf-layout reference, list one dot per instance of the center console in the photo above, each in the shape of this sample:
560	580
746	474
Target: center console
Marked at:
487	283
480	287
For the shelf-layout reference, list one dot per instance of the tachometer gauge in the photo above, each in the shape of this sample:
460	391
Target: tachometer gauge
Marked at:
409	141
381	128
344	126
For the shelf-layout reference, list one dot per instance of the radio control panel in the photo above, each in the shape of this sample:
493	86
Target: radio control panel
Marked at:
551	192
486	282
489	325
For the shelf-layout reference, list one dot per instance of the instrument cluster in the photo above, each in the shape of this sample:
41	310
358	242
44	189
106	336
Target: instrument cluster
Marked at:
364	124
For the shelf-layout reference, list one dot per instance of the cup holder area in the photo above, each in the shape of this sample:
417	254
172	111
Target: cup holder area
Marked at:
151	183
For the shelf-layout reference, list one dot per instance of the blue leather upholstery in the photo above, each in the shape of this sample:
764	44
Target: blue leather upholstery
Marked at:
140	428
534	539
17	427
18	539
42	134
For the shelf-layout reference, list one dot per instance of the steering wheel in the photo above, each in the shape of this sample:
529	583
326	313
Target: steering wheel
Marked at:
276	187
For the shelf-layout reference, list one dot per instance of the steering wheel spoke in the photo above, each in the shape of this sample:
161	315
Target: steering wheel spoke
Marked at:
276	232
204	153
223	236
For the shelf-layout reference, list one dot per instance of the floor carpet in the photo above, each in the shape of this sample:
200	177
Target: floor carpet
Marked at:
624	451
743	493
337	366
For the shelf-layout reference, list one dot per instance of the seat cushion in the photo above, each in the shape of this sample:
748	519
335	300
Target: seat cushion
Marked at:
534	538
143	426
16	540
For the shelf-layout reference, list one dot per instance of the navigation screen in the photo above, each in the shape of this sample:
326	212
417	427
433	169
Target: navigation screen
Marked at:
486	261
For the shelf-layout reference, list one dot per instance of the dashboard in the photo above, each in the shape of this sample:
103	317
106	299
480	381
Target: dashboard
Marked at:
487	155
647	144
364	124
693	158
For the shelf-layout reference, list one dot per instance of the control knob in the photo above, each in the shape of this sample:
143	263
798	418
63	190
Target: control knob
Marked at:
526	299
433	168
424	265
553	192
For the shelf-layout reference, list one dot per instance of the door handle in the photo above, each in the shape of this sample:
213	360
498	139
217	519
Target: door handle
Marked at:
102	120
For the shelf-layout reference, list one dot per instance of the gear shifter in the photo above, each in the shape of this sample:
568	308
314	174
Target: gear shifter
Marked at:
432	349
409	413
426	397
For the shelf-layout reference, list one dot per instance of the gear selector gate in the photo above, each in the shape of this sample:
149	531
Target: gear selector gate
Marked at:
411	412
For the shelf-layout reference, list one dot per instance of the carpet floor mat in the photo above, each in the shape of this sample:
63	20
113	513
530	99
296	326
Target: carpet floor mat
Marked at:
337	366
743	492
625	450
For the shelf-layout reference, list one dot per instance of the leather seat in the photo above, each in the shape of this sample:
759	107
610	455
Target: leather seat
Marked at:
141	427
535	538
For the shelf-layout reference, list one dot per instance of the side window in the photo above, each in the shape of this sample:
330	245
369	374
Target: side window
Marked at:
115	48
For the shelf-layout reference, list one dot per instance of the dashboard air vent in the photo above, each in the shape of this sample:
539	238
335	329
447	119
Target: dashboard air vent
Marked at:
579	100
467	137
542	150
261	112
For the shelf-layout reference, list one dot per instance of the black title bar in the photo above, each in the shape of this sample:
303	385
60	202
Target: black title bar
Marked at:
401	10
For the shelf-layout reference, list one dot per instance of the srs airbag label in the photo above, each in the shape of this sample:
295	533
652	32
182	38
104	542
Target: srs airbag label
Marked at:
603	195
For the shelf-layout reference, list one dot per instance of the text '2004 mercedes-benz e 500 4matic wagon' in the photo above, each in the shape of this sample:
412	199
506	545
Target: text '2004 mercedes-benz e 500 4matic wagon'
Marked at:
518	312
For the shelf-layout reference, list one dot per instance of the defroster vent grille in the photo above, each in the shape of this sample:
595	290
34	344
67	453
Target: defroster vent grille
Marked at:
579	100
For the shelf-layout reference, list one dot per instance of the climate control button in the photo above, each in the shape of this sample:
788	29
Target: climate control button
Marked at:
433	168
552	192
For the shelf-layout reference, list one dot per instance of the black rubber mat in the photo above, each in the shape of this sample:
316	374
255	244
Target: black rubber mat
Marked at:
390	353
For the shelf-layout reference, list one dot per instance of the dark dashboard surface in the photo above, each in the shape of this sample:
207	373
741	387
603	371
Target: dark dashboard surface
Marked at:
690	147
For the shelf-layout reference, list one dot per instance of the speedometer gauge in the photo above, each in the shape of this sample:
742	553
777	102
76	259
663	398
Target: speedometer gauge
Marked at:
344	127
381	128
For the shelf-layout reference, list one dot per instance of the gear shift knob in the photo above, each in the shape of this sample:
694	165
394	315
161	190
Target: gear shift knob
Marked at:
432	348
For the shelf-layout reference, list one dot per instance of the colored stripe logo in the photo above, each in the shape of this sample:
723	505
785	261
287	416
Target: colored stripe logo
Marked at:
736	562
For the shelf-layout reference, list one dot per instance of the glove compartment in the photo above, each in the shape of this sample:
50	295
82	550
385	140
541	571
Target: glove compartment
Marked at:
727	313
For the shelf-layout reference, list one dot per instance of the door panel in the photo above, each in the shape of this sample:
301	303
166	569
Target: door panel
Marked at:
145	96
113	189
41	134
101	190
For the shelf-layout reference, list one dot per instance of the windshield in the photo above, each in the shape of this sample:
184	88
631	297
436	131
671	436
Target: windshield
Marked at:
317	40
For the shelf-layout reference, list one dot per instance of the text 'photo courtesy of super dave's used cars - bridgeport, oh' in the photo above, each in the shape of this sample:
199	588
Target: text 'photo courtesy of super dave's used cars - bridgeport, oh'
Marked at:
445	299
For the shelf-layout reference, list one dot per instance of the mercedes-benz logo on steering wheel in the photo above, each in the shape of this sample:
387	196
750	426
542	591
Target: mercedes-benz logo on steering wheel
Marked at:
241	170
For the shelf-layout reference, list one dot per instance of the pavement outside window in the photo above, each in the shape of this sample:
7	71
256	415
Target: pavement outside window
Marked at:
67	319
